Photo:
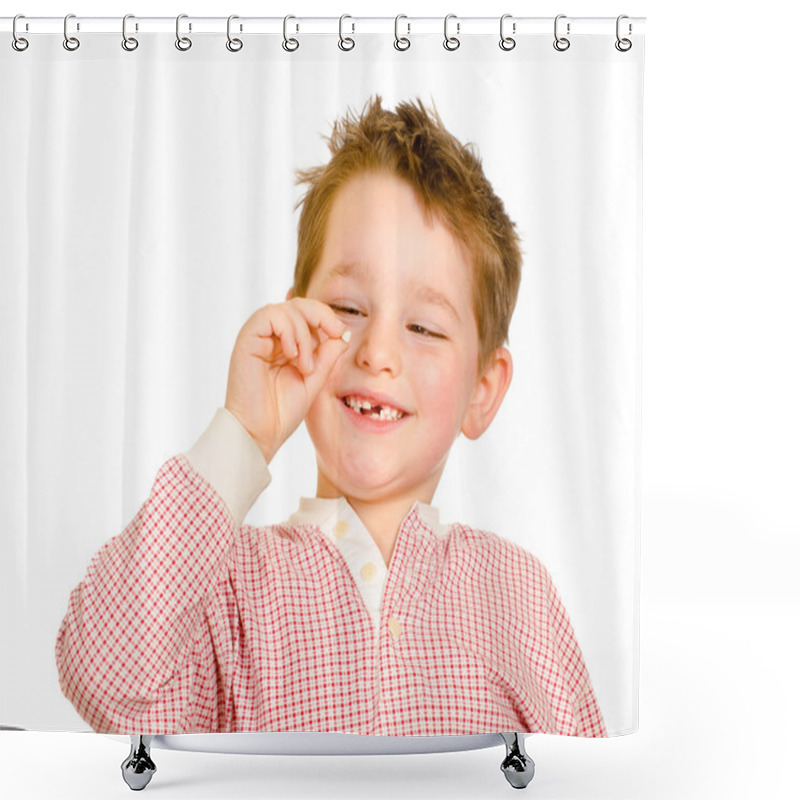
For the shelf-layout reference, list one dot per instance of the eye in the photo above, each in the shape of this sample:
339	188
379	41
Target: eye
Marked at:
344	309
414	328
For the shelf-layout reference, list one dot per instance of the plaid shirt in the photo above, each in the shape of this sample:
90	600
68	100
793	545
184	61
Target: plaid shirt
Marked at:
188	623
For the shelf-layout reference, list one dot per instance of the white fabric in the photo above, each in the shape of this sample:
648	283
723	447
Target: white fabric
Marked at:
229	459
148	210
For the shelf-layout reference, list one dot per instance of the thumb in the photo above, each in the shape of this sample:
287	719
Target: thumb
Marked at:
325	358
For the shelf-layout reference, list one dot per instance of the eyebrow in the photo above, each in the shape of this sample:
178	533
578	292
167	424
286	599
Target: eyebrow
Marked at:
426	293
430	295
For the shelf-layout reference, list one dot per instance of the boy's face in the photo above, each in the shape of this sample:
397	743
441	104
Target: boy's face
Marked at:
403	287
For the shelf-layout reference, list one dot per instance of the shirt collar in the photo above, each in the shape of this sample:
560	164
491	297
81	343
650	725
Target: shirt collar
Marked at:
325	512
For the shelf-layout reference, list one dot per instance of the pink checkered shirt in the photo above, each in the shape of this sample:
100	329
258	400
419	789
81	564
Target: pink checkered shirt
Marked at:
188	623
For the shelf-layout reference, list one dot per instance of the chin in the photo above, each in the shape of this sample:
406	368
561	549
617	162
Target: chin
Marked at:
356	483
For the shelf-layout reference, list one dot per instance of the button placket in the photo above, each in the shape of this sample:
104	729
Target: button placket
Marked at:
395	628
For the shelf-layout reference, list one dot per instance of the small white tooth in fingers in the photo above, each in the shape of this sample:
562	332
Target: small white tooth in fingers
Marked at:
346	336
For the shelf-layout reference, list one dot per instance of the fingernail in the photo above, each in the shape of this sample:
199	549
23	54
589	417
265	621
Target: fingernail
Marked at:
346	336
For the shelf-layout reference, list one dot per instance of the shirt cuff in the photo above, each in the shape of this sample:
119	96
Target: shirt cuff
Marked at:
231	461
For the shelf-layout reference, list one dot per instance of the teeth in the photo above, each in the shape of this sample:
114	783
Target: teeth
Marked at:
385	414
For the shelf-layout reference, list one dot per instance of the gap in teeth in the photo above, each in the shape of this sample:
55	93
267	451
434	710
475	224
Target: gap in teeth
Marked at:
365	408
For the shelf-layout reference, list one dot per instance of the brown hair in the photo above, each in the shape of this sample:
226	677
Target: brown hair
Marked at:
413	144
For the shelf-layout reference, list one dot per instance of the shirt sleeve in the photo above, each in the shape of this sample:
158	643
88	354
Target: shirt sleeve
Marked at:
585	709
151	634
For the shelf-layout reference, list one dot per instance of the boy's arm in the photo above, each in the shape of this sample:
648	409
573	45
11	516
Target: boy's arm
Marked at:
148	634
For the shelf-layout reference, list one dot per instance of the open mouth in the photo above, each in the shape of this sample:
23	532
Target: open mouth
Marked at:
381	412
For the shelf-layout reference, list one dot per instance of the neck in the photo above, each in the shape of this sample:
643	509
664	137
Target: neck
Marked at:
382	516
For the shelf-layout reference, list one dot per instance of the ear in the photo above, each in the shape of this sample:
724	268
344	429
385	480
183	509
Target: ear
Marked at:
489	394
290	293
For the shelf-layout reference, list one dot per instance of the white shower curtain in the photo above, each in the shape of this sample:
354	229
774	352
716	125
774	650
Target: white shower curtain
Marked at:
148	208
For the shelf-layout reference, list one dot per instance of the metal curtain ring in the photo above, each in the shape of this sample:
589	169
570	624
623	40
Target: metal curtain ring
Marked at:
506	42
623	45
290	45
181	42
561	43
451	42
70	42
18	43
345	43
401	42
128	42
234	45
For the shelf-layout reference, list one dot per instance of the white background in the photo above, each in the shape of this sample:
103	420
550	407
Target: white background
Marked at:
720	525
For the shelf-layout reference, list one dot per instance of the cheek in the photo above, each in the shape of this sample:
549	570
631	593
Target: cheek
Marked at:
439	387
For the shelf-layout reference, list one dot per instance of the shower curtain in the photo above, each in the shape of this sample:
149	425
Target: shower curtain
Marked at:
150	206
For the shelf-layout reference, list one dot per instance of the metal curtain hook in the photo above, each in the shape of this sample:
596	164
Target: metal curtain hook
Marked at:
18	43
70	42
451	42
128	42
345	43
181	42
561	43
401	43
290	45
623	45
234	45
506	42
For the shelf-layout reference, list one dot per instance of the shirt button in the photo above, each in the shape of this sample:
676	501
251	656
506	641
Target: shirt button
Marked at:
340	528
395	628
368	571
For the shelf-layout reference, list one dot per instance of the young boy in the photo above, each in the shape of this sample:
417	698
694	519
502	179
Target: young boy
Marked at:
362	613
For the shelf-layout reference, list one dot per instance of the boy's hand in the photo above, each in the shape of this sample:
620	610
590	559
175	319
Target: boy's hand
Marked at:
282	358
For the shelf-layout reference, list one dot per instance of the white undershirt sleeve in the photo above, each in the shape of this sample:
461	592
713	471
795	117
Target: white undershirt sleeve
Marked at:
231	461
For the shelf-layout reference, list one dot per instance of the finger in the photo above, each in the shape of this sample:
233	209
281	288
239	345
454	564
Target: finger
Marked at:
279	325
328	353
306	342
264	348
320	315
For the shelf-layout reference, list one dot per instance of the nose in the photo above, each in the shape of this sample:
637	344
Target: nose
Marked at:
379	348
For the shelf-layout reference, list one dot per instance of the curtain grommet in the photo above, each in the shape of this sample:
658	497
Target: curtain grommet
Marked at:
346	43
507	42
183	43
401	43
451	43
234	45
561	43
289	44
129	43
70	43
622	44
19	43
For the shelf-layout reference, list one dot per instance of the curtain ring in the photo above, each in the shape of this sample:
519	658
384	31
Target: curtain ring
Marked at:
345	43
561	43
451	42
234	45
18	43
401	43
70	42
506	42
623	45
290	45
128	42
183	43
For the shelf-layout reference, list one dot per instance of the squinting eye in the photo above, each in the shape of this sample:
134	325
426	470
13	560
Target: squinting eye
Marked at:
344	309
425	332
